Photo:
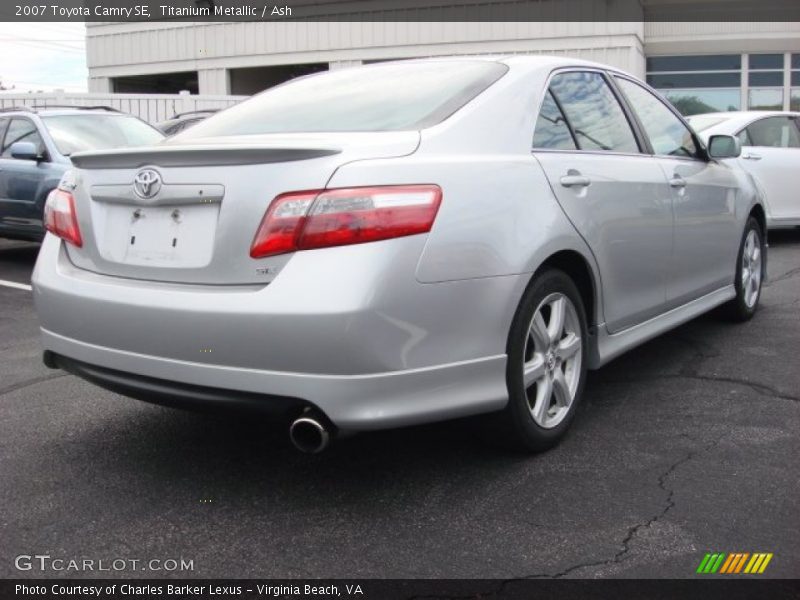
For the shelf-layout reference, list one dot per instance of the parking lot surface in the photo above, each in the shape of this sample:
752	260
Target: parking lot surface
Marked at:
684	446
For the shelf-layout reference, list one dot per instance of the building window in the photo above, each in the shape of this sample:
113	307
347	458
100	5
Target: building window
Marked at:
765	81
698	84
157	83
794	103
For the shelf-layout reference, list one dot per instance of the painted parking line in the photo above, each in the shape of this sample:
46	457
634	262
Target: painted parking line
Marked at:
15	285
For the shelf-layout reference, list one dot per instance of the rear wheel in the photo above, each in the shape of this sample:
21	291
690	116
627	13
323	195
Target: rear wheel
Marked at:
749	273
546	363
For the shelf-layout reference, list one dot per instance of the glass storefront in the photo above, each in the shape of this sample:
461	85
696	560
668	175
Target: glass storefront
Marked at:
765	99
765	81
698	101
723	82
698	84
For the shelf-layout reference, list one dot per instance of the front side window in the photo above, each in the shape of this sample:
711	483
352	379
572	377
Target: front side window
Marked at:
667	134
21	130
775	132
594	112
552	130
744	139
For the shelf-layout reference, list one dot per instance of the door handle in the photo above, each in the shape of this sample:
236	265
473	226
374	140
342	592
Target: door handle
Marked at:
575	181
751	156
677	182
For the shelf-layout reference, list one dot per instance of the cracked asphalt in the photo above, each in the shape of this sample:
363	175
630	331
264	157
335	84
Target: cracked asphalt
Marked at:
684	446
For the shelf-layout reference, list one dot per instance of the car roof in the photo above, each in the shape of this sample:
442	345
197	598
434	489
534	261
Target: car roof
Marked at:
67	111
512	60
749	113
738	119
61	110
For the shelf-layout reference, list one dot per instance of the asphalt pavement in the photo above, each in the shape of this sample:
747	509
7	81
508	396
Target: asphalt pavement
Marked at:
684	446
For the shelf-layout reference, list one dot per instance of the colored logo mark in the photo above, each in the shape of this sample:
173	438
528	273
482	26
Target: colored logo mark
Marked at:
734	563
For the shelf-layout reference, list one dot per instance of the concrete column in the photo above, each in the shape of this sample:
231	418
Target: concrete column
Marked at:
213	81
638	60
100	85
343	64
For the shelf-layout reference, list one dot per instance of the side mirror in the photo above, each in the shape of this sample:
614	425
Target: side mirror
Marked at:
24	151
724	146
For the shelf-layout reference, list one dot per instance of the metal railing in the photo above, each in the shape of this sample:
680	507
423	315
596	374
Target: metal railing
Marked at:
150	107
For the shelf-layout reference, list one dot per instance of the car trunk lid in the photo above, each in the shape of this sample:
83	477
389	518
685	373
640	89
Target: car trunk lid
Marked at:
195	207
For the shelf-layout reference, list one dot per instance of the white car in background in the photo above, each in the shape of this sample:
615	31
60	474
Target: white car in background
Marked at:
770	152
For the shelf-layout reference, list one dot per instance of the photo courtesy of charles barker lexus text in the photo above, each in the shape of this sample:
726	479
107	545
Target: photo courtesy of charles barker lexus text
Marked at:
388	299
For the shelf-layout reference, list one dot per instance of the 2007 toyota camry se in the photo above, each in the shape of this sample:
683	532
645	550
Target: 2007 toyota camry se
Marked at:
397	244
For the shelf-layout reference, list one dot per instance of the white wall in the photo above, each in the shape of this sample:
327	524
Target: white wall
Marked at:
123	49
720	37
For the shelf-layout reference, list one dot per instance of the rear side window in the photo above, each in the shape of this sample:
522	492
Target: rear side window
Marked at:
390	97
667	133
776	132
593	112
76	133
552	130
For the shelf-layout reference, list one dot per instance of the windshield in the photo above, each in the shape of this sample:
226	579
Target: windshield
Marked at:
389	97
702	122
75	133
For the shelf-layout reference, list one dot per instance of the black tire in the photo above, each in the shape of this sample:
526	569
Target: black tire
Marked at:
516	426
739	309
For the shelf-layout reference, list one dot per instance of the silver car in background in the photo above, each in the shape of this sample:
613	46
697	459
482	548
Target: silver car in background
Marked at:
398	244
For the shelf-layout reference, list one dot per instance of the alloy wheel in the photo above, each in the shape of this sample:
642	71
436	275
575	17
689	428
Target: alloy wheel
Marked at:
751	268
552	360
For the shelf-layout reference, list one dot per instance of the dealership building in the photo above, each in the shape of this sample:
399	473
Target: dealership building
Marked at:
701	66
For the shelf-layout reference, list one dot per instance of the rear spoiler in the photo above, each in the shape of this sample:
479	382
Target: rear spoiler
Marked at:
134	158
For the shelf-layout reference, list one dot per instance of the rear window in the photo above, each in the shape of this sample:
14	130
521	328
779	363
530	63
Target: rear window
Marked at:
702	122
75	133
391	97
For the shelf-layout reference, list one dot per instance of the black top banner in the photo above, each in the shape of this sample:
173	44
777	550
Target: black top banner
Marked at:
400	10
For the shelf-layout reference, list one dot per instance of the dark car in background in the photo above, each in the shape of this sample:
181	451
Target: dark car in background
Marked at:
184	120
35	149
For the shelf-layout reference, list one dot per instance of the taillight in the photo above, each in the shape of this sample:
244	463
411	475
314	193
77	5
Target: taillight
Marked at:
338	217
60	217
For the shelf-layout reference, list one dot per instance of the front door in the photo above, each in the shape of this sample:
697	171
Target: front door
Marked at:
21	180
771	152
703	195
616	197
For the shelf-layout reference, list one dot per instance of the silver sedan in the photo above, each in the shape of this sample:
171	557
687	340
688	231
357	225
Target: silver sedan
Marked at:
396	244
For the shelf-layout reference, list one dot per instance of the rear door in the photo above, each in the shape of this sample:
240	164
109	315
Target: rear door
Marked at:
703	196
616	197
771	152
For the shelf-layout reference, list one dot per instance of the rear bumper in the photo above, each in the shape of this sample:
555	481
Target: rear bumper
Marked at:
171	393
356	402
351	333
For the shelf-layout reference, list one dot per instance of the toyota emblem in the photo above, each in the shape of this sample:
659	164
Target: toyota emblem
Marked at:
147	183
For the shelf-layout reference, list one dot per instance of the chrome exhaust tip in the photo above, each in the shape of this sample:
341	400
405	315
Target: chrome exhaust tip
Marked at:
309	435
